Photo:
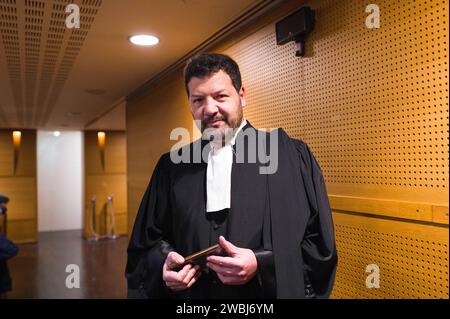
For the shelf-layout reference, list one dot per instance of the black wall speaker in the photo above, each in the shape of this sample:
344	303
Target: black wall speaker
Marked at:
295	27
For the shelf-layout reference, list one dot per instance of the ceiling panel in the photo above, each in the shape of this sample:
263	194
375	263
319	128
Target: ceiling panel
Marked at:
53	77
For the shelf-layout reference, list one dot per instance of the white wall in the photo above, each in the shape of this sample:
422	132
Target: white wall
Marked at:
60	180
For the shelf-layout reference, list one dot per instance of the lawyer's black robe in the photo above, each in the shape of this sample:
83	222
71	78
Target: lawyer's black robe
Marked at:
283	217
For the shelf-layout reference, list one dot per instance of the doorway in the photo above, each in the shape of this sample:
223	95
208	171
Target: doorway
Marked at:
60	180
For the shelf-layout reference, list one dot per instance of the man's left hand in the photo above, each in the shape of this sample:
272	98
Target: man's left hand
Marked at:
237	268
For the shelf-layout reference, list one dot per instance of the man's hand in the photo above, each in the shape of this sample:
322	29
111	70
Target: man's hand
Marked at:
238	268
179	280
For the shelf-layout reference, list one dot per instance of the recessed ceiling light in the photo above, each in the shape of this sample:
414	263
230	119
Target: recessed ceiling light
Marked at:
56	133
144	39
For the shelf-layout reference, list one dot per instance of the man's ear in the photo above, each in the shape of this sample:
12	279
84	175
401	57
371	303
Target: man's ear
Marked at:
242	96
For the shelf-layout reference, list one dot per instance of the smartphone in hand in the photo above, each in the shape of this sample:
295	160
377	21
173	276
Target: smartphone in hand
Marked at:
199	258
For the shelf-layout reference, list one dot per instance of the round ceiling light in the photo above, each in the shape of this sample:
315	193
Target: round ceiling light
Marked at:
144	39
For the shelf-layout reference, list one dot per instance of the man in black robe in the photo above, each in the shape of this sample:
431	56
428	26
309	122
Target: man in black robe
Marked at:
275	226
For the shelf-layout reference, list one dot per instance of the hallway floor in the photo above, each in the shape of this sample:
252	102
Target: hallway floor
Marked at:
39	270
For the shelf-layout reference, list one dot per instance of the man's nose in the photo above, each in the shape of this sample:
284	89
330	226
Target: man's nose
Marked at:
211	106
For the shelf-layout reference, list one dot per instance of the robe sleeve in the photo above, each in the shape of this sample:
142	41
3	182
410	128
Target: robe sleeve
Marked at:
150	240
318	245
265	259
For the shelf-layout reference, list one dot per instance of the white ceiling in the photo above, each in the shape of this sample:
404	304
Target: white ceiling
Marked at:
46	68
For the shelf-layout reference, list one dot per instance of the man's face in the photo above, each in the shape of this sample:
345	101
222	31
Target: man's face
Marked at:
215	103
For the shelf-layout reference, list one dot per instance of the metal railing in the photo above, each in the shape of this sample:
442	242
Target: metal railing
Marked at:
91	220
111	232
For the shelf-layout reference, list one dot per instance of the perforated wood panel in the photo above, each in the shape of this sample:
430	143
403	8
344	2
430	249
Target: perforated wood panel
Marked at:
371	103
373	106
40	52
9	30
412	258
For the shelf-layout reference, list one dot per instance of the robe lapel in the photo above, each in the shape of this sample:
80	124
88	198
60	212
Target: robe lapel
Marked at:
248	199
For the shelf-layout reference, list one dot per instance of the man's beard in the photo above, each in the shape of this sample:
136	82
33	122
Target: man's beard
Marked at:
224	134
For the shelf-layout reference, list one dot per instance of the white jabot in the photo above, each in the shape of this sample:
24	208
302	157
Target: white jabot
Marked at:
218	175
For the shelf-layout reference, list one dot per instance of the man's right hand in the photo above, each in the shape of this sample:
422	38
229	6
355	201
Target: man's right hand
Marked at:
179	280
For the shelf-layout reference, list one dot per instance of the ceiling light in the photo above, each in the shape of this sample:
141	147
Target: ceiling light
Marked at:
17	134
56	133
144	39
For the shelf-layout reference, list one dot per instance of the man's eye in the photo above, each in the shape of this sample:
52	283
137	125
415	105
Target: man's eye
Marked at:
197	100
221	96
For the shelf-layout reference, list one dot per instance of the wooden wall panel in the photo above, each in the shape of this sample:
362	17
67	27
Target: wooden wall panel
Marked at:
6	153
115	154
23	197
103	185
20	186
412	258
92	163
148	131
108	180
373	107
23	231
121	223
26	166
376	119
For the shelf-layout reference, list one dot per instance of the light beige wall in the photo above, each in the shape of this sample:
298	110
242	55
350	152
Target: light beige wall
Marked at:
19	185
373	107
108	180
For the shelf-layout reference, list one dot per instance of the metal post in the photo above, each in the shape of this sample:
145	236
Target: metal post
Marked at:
91	220
112	224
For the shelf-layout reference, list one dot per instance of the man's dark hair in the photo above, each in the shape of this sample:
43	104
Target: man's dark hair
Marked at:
206	64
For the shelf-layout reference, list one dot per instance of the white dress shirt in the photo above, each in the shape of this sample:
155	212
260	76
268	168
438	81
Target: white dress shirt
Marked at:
218	175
